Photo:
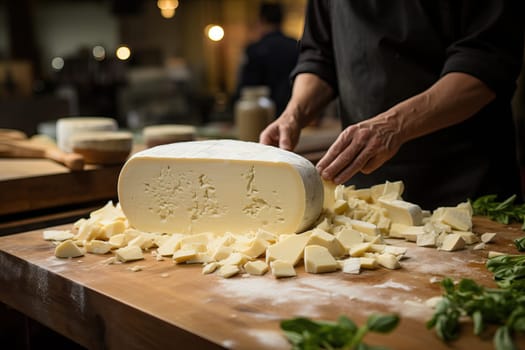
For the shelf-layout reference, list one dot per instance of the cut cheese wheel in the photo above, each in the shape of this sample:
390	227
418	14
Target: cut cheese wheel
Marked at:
66	127
220	186
102	147
155	135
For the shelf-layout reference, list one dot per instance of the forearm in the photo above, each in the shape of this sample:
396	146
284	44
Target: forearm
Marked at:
451	100
310	95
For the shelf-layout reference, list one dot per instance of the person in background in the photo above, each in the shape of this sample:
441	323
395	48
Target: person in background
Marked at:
423	90
270	60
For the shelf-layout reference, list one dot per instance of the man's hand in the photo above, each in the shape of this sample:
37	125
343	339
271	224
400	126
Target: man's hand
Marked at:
362	147
283	132
369	144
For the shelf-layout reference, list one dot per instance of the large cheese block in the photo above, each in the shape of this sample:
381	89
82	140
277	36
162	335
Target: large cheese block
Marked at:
220	186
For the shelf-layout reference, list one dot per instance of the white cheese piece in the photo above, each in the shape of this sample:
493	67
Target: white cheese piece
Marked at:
388	260
328	194
256	248
352	266
468	236
220	186
282	268
407	232
67	127
235	259
395	250
290	249
488	237
96	246
428	239
365	227
102	147
136	268
119	240
228	271
348	237
317	259
129	253
168	247
368	263
457	218
340	206
210	267
200	258
452	242
324	225
266	235
181	256
68	249
221	252
402	212
143	241
377	248
109	229
57	235
256	267
327	240
359	249
479	246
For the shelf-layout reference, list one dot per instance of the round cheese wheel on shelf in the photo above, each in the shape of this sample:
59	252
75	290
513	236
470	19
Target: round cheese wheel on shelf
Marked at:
220	186
66	127
102	147
155	135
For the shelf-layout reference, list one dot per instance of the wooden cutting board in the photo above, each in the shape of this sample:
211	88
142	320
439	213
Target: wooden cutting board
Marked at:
34	184
166	306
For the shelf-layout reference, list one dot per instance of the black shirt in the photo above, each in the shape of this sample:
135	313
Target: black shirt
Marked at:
376	54
269	62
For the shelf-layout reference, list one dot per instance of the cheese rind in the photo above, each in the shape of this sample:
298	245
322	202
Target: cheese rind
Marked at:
220	186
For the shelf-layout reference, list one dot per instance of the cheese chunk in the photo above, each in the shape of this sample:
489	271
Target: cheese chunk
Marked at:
317	259
453	242
352	266
228	271
403	212
349	237
129	253
168	247
488	237
220	186
98	247
282	269
257	267
458	218
290	249
327	240
388	260
68	249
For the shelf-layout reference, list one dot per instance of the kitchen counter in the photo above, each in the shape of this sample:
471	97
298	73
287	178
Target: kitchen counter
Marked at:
175	306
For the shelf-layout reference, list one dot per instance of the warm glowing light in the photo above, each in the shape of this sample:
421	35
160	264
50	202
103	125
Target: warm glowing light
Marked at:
57	63
214	32
167	13
99	53
123	53
167	4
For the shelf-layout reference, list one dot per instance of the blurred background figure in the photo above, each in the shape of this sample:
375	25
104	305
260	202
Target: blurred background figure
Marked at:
269	60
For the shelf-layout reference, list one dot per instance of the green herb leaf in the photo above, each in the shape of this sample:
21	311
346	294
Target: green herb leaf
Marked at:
503	340
382	323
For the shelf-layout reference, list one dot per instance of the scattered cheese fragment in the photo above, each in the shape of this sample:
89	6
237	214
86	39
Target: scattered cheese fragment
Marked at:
327	240
457	218
368	263
359	249
228	271
348	237
210	267
281	268
388	260
68	249
479	246
181	256
317	259
57	235
129	253
98	247
256	267
352	266
403	212
488	237
290	249
453	242
168	247
493	254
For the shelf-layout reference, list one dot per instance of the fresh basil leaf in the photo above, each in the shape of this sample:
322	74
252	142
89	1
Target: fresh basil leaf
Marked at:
382	323
520	243
503	340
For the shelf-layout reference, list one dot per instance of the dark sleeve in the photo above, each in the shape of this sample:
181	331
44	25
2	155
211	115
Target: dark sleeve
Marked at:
489	43
315	50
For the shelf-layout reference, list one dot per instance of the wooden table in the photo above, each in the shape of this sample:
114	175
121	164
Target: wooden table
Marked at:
166	306
36	192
